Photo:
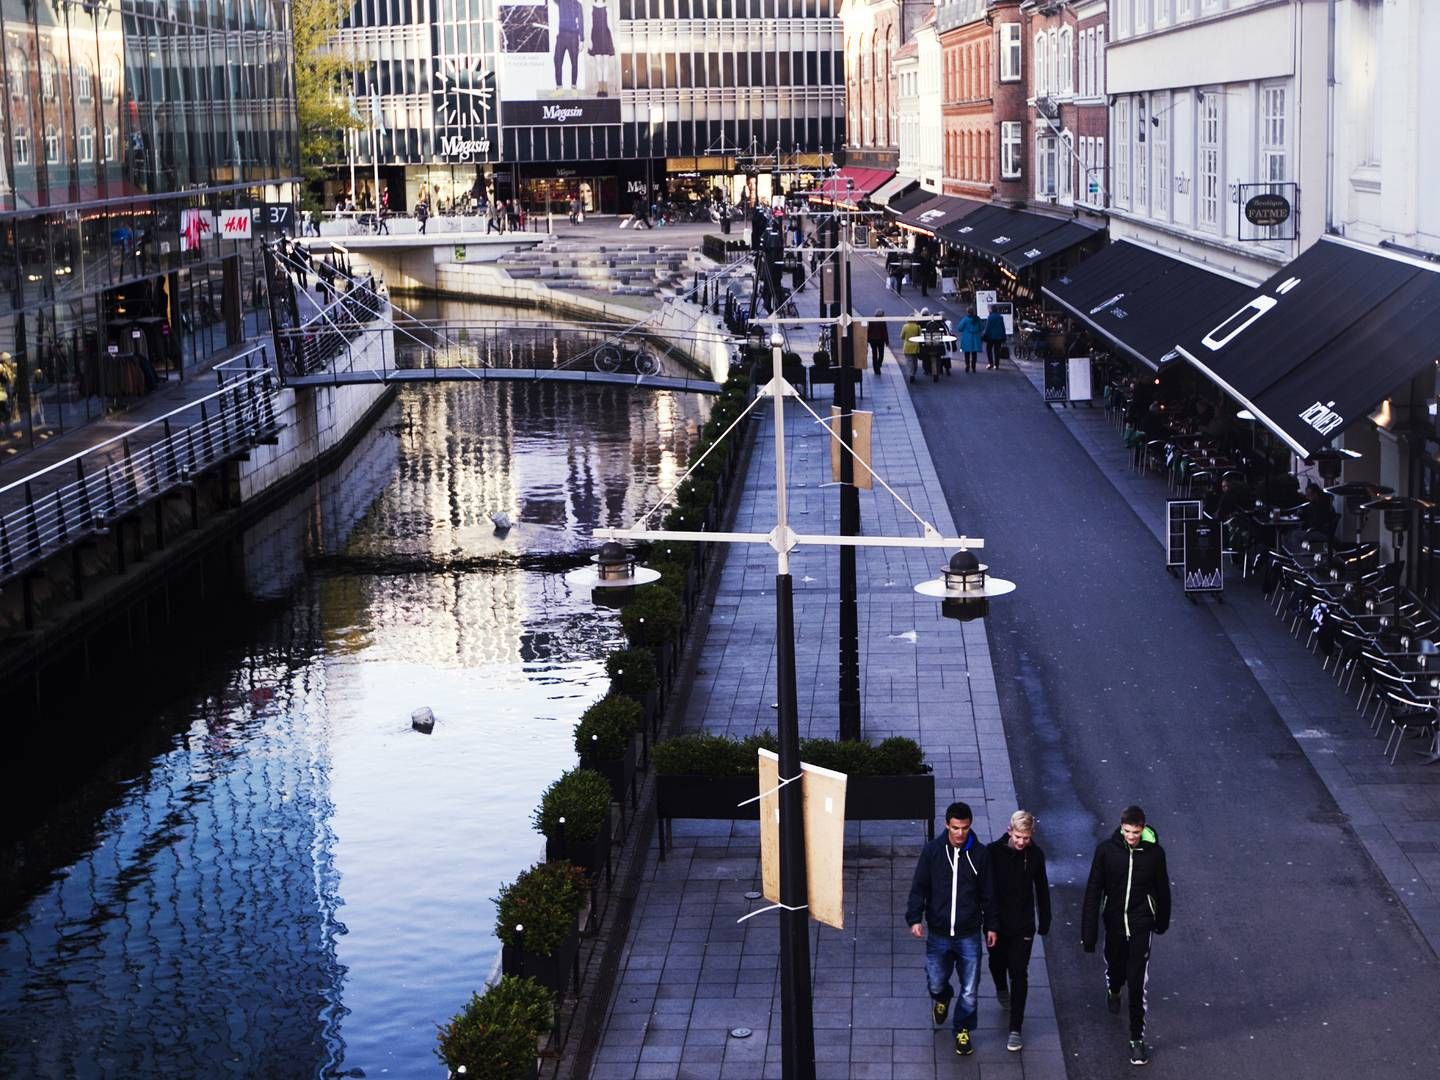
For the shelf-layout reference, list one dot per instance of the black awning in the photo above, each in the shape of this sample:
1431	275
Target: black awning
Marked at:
966	233
1325	340
940	212
1143	300
1000	231
1036	249
902	204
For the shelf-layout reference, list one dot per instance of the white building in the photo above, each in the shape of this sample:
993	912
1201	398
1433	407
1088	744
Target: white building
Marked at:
1212	103
907	108
930	159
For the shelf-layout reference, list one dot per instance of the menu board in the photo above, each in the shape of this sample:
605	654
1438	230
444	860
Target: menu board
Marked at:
1177	513
1204	571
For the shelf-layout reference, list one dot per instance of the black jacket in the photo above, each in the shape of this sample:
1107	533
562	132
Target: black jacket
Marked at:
1129	886
1022	891
940	865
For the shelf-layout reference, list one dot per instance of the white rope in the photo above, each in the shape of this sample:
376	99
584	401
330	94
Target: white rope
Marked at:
773	907
772	791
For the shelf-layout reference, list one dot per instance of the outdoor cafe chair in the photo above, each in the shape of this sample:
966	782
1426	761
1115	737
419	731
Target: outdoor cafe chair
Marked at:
1371	664
1406	715
1346	646
1389	680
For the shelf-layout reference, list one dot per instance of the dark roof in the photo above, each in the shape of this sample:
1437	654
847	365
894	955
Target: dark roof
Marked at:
942	210
910	199
1016	238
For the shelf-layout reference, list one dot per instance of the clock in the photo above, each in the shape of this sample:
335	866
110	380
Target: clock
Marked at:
466	86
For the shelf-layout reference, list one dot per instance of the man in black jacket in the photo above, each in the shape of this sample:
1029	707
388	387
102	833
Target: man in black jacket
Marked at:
1129	885
1022	895
952	895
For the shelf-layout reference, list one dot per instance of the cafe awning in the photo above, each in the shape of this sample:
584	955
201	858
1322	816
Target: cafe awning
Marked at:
1144	300
850	185
933	216
1323	341
903	204
1014	238
882	195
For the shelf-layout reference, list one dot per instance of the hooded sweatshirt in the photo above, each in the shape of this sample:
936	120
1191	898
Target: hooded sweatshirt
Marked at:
1022	891
1129	886
953	890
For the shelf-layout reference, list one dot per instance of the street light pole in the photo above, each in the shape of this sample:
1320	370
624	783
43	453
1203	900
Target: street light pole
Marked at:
797	1019
843	341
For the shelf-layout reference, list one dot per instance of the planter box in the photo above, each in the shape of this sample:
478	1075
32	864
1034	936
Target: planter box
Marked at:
589	855
554	972
620	774
892	798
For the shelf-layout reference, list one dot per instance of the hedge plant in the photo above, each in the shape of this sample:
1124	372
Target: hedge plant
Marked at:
652	618
582	798
546	900
632	672
716	755
494	1036
606	728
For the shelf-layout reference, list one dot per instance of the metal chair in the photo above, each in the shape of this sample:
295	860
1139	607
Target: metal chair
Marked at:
1406	715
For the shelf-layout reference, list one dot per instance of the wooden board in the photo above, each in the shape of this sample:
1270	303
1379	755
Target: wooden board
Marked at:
860	427
823	799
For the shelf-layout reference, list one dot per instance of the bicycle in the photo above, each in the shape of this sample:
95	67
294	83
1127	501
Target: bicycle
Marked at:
611	356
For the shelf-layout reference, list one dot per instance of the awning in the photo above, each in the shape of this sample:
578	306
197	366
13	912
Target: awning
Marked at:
939	212
901	204
1016	238
1323	341
1144	301
850	185
882	195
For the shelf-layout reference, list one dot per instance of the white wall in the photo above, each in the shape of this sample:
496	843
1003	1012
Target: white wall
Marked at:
931	157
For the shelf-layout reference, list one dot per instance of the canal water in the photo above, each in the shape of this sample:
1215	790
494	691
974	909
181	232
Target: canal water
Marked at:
275	876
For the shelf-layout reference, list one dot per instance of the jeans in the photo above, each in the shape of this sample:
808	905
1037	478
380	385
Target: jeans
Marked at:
946	954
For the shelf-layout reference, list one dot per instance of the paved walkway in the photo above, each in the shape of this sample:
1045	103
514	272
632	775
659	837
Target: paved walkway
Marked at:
689	973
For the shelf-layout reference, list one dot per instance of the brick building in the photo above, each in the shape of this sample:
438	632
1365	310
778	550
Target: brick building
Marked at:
1066	95
874	32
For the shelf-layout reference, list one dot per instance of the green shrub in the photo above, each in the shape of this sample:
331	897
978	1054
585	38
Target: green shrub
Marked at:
606	728
680	552
632	672
652	618
697	493
582	798
898	756
849	757
716	755
546	900
494	1035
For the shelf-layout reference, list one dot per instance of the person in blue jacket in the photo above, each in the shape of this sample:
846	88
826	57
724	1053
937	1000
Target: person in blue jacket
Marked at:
972	332
994	336
953	898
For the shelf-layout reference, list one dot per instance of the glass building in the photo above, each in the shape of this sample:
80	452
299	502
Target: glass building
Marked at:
140	138
607	100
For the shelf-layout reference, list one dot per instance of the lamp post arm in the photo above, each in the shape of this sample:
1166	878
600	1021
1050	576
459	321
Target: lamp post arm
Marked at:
931	540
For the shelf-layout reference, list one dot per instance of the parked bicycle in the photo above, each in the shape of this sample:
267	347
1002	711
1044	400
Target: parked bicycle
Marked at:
614	355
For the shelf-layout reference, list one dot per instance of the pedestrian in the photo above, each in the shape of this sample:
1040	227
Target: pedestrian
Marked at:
994	336
1130	885
1022	898
640	212
878	334
972	338
951	900
910	345
758	224
422	215
574	209
382	214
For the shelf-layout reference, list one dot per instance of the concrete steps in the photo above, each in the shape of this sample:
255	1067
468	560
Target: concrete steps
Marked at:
621	269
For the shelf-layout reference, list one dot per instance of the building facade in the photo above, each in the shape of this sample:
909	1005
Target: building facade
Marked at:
984	86
907	109
607	100
931	134
1205	115
1067	99
130	131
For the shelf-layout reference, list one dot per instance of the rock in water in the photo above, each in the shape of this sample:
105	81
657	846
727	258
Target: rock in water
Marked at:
501	519
423	720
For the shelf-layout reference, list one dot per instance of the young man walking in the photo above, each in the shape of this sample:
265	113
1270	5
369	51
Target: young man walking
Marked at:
1130	885
952	897
1022	895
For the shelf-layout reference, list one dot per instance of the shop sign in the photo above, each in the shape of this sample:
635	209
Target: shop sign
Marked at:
547	114
1267	210
458	149
233	224
634	187
276	216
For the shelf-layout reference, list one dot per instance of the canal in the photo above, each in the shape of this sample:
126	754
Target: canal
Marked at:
267	873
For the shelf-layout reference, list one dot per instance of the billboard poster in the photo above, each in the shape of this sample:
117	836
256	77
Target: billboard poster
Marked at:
463	97
557	63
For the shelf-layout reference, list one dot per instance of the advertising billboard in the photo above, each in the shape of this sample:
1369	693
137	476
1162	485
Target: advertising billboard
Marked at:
557	63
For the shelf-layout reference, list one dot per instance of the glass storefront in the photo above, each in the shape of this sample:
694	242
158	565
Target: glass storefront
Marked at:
126	127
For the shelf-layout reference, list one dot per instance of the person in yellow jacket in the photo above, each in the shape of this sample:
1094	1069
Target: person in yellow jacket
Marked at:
910	335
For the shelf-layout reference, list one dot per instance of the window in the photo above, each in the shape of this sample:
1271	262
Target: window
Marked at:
1363	53
22	146
1122	17
1097	73
1162	13
1184	9
1272	133
1052	68
83	89
109	143
1037	64
1100	162
1142	154
1142	16
1009	52
47	78
1046	182
1121	127
1087	42
1067	165
1160	155
1207	6
1066	60
1010	136
1208	166
17	75
52	145
85	143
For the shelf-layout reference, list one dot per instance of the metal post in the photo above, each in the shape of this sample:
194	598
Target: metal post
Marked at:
797	1020
843	338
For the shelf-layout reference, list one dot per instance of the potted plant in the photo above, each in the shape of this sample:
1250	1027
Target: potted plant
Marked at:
605	742
537	919
706	777
887	782
574	818
652	620
495	1034
632	673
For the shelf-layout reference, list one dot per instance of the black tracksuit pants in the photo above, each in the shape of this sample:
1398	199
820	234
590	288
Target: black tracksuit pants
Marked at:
1127	962
1010	966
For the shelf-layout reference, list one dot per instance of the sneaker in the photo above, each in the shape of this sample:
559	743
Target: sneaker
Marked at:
1003	996
1139	1052
1112	1001
938	1011
962	1043
1014	1042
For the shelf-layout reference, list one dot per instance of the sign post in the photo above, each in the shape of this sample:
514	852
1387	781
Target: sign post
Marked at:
1057	381
1204	568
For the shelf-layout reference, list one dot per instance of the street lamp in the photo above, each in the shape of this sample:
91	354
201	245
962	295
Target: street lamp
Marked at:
963	588
796	1016
613	576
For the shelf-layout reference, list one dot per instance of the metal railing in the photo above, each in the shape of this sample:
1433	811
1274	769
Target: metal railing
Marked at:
329	333
124	474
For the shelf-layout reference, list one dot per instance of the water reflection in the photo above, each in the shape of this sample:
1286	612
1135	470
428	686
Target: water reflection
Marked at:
297	884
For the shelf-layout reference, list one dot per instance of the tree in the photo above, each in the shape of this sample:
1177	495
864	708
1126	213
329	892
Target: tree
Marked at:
321	71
